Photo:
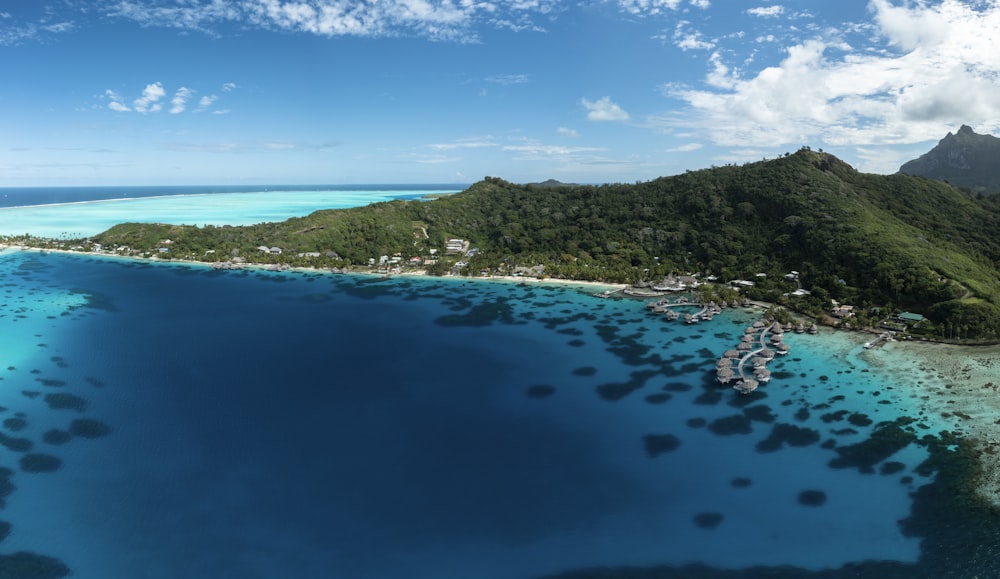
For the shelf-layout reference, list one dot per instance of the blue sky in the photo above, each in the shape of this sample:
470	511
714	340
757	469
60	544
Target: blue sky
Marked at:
157	92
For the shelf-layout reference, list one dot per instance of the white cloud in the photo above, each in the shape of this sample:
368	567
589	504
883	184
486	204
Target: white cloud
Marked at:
687	148
473	143
179	102
923	70
690	40
654	7
436	19
152	96
16	31
434	159
207	101
912	27
228	86
532	150
508	79
604	110
767	11
191	15
149	101
116	102
567	132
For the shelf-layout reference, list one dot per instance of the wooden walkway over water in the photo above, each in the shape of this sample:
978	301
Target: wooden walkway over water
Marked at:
758	357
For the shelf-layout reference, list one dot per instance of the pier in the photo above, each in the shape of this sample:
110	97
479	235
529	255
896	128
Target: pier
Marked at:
882	339
666	307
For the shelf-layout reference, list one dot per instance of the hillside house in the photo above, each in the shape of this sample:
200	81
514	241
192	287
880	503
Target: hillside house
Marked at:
454	246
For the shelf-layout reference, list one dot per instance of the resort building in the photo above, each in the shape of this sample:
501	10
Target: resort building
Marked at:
842	311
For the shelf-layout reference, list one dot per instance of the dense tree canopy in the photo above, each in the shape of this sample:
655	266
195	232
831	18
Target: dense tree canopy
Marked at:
902	241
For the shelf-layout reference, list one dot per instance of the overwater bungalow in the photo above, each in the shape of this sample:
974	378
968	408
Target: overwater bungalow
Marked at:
725	375
800	328
813	329
776	338
733	353
671	315
744	346
724	363
762	375
781	348
689	319
767	353
745	386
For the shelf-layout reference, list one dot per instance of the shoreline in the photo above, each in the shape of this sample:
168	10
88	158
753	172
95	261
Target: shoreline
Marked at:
418	273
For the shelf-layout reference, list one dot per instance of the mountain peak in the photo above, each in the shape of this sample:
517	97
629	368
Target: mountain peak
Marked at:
965	159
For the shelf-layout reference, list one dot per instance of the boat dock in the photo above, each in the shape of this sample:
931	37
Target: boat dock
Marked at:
879	341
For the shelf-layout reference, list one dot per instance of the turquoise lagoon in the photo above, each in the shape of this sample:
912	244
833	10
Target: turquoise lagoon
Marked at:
165	420
72	212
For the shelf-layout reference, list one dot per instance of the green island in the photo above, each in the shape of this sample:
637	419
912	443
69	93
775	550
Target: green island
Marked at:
805	231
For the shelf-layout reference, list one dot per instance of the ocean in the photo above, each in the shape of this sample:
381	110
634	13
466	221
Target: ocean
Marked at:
171	420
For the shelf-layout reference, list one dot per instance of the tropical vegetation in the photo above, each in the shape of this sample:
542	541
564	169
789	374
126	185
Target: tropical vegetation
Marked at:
895	242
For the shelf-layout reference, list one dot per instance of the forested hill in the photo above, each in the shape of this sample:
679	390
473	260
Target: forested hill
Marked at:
899	241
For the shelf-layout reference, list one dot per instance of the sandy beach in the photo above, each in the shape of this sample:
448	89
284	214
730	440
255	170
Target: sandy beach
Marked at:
597	286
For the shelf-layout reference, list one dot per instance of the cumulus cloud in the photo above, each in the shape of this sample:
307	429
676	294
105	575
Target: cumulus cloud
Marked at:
567	132
152	96
149	101
116	102
604	110
179	102
686	40
228	86
924	69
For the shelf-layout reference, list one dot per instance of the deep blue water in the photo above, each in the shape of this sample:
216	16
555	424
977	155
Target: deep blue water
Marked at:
30	196
307	425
